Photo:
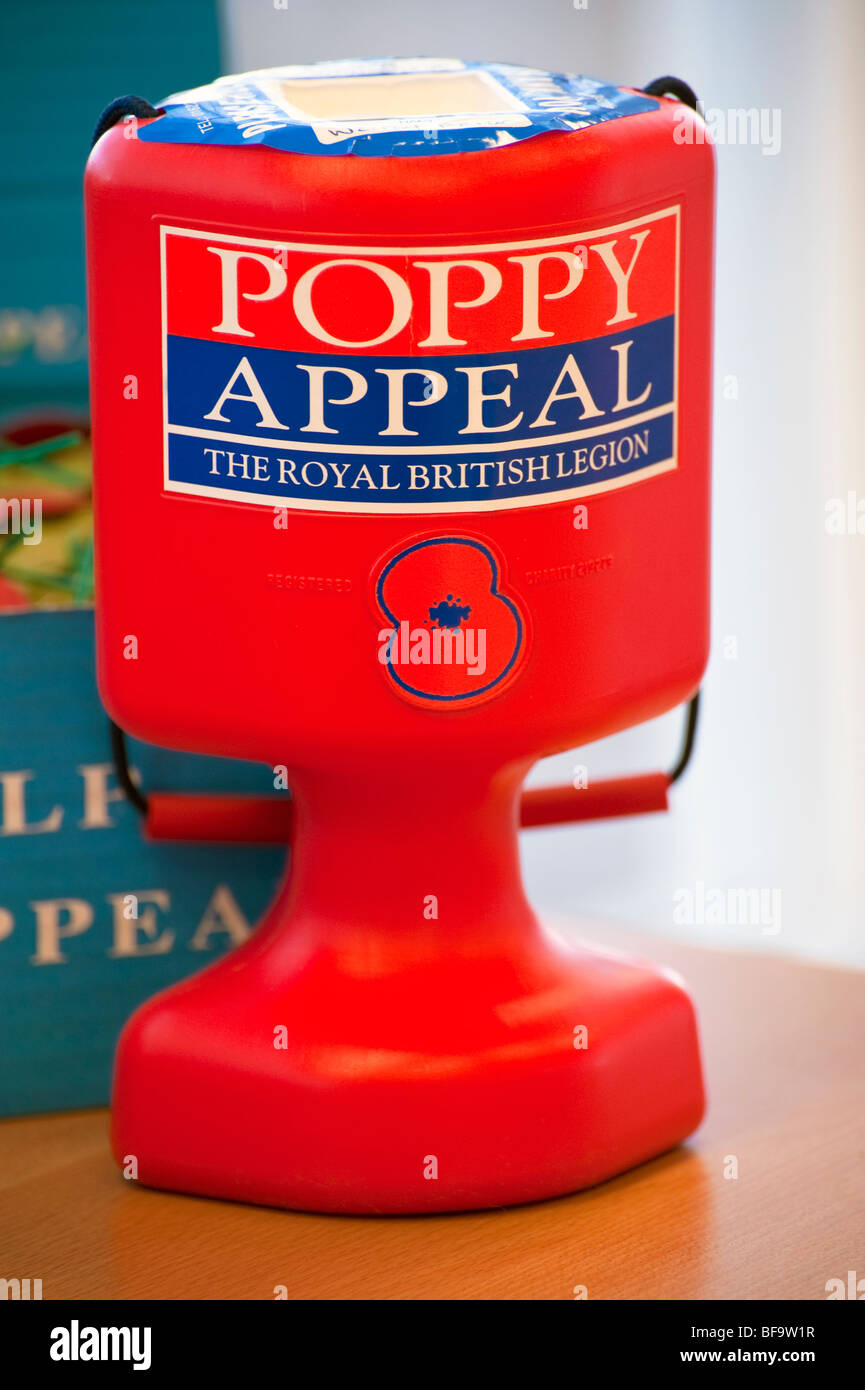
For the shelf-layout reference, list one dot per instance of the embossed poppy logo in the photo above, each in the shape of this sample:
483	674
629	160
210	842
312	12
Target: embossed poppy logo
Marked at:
453	636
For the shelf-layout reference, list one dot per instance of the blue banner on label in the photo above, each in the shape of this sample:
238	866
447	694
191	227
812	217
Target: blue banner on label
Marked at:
447	432
389	107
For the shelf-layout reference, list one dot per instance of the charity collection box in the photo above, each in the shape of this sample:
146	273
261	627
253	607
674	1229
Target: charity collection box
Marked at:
411	380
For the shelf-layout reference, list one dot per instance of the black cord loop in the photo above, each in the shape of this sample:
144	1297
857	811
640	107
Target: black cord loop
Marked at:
672	87
138	798
134	795
675	87
688	739
120	108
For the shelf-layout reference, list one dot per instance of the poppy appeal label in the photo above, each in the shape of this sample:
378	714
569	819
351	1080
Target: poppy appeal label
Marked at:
423	379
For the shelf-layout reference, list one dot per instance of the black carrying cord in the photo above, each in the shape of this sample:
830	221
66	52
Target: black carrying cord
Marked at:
138	799
675	87
118	109
672	87
115	111
134	795
137	106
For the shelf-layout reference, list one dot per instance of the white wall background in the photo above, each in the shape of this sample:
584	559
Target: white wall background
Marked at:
775	799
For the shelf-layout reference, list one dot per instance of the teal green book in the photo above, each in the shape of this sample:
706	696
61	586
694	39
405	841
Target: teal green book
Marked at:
62	65
93	918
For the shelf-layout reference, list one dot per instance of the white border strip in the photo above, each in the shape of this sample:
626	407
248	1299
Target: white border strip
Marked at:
381	250
290	442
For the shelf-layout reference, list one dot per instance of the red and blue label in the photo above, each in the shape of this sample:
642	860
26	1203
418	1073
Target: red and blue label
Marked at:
420	379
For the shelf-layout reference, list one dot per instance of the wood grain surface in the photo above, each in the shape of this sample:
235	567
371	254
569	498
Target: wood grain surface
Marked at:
784	1047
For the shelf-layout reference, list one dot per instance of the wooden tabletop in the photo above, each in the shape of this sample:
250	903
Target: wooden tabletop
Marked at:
784	1047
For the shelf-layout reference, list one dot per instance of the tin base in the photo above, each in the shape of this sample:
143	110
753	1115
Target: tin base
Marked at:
478	1088
400	1034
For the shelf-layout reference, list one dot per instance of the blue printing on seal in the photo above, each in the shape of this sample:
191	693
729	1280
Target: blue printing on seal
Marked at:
253	109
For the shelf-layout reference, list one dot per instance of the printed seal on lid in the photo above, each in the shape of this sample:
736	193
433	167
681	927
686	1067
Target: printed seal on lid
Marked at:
398	106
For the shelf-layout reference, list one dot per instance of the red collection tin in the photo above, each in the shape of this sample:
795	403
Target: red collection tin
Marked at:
402	435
